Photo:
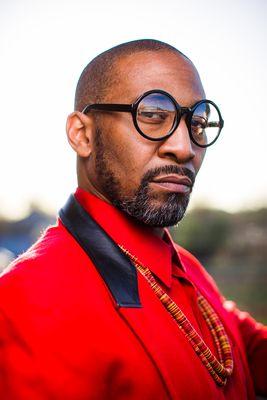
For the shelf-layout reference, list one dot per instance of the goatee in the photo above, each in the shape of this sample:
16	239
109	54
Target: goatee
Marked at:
146	205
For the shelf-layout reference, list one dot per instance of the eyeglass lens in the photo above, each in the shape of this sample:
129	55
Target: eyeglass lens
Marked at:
156	116
205	124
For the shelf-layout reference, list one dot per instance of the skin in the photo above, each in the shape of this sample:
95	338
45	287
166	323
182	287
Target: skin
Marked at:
129	155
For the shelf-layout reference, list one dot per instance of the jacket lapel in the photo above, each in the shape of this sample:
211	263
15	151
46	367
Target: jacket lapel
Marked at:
113	265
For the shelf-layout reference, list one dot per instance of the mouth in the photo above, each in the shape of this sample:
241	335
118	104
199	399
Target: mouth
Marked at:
174	183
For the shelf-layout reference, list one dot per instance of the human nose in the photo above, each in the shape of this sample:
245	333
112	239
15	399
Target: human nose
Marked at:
178	145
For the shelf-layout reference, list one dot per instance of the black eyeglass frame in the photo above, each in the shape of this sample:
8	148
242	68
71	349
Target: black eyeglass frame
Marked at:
180	111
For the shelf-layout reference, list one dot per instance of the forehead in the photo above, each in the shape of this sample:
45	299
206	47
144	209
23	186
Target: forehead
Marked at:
140	72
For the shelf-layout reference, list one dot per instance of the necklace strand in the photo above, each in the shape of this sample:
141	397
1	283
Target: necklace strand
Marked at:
220	369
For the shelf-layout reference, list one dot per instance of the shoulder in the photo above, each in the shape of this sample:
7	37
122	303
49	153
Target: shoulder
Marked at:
43	268
55	270
47	247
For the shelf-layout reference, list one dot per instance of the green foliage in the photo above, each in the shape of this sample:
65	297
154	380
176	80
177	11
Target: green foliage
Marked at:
203	232
213	235
233	248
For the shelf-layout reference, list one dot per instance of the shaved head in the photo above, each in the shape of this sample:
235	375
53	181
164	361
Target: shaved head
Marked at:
99	76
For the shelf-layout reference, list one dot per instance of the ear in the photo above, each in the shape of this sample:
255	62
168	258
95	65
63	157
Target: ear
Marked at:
79	129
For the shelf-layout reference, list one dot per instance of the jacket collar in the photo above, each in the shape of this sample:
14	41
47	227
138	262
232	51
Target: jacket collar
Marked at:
138	239
116	269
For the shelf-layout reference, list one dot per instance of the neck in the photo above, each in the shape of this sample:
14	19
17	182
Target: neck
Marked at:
158	232
89	187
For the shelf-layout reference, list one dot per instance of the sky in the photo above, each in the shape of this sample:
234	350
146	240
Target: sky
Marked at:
44	46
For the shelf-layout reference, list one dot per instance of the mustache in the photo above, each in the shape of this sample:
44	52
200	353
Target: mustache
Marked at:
168	169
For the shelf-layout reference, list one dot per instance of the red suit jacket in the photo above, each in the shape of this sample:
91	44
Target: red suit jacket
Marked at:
72	331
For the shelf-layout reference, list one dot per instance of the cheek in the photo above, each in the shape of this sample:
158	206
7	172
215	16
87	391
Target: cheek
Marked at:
199	157
129	163
127	152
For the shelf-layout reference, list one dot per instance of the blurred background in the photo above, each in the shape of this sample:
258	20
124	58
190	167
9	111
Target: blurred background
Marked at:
44	47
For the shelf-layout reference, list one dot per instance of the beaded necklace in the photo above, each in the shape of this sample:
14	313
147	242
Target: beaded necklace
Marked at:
220	369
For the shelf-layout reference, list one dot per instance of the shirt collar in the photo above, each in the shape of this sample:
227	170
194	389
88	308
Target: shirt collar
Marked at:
140	240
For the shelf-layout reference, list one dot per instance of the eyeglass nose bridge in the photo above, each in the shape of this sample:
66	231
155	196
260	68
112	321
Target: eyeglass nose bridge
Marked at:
184	111
181	111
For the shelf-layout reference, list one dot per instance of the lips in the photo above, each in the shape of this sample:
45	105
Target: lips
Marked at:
174	183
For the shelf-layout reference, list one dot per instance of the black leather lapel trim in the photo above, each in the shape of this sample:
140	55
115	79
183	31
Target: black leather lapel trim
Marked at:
113	265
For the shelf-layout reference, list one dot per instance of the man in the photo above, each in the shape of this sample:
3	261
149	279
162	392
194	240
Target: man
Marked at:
105	305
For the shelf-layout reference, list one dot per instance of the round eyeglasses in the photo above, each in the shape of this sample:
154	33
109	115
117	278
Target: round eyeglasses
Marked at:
156	115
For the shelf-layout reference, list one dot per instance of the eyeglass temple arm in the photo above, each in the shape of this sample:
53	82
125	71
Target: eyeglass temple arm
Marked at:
215	124
108	107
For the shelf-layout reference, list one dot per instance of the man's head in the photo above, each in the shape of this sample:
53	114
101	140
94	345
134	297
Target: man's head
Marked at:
149	180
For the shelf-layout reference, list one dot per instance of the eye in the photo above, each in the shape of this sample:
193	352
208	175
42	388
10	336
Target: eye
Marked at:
199	124
154	116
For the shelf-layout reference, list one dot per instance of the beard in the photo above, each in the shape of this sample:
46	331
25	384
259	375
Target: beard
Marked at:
145	205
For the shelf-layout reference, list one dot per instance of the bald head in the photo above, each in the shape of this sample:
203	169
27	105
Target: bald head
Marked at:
99	76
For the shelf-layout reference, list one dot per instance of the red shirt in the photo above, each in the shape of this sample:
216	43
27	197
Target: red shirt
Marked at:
62	335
